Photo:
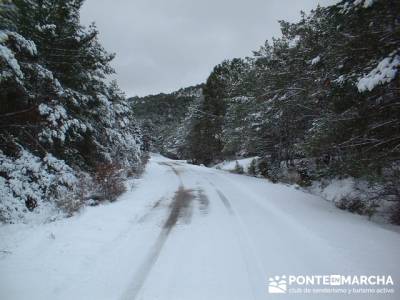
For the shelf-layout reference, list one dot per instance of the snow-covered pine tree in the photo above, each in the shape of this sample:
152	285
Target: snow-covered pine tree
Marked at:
59	119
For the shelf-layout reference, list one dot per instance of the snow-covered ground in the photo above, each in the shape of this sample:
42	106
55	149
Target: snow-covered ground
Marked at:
188	232
230	165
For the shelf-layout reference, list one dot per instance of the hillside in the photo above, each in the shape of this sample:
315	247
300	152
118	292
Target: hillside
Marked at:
162	118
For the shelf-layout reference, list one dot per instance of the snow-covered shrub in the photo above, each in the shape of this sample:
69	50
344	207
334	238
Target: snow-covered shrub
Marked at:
73	200
137	170
356	205
355	195
110	182
28	183
238	168
236	165
252	169
269	169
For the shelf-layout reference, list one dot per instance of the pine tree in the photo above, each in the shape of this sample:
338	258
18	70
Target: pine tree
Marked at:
59	118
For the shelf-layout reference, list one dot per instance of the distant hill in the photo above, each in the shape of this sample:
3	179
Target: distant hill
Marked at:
161	116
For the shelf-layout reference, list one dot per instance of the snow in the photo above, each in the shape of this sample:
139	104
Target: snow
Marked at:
385	72
315	60
59	122
364	3
340	80
3	36
65	173
335	190
45	74
241	99
8	57
295	41
347	6
46	27
29	177
358	2
75	256
229	165
23	44
237	232
369	3
53	114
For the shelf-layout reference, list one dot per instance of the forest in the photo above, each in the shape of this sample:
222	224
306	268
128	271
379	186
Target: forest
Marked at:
321	101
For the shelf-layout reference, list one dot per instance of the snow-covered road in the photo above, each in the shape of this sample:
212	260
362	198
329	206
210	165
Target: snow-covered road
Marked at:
187	232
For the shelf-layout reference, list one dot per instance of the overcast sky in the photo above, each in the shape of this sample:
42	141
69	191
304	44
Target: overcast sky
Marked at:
163	45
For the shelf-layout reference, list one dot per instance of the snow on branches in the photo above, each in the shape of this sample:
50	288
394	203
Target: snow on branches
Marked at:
384	72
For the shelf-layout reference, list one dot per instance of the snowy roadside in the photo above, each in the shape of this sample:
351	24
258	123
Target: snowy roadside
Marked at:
230	165
154	242
63	254
352	194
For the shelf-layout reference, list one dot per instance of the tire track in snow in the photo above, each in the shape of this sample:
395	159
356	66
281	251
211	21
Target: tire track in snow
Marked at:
146	266
180	208
155	206
225	201
253	263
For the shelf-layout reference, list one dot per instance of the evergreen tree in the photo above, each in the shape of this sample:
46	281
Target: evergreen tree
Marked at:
59	119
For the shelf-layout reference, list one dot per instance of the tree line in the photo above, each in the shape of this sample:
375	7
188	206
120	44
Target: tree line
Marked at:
322	99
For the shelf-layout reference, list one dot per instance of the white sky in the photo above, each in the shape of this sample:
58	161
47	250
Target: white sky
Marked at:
163	45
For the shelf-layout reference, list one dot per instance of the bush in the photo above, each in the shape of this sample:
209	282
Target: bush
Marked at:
238	168
352	205
110	181
71	201
137	170
305	169
253	168
395	216
29	182
305	179
358	206
274	173
263	167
